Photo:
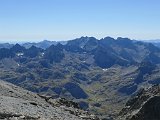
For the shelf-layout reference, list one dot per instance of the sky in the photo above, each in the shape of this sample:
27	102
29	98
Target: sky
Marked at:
36	20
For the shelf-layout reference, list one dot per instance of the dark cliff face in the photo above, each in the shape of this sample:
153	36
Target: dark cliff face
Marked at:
150	110
54	53
145	105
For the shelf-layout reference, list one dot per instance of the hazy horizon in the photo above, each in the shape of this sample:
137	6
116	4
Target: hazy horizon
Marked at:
33	21
36	41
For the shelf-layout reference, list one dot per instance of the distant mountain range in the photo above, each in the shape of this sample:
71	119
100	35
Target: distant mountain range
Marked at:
100	75
43	44
155	42
6	45
152	41
46	43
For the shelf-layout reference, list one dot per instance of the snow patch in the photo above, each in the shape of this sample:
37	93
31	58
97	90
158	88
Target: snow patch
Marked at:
104	69
20	54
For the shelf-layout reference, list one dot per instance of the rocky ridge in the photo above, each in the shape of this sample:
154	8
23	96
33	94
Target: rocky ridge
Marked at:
145	105
18	104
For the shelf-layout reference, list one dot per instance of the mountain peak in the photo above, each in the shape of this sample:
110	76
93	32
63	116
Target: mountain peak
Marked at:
17	48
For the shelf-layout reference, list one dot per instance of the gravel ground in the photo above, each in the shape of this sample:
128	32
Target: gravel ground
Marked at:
18	104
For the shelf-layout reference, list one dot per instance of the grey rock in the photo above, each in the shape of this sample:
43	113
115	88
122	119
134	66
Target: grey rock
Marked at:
18	104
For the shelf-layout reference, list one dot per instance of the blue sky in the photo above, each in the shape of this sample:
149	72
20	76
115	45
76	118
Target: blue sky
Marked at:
35	20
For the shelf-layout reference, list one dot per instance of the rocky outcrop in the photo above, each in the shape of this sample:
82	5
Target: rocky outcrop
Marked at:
145	105
19	104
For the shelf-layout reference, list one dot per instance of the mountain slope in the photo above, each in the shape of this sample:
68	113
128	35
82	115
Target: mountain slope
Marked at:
145	105
16	103
100	75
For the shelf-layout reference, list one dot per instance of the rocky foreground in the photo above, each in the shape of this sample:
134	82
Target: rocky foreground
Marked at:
143	106
18	104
